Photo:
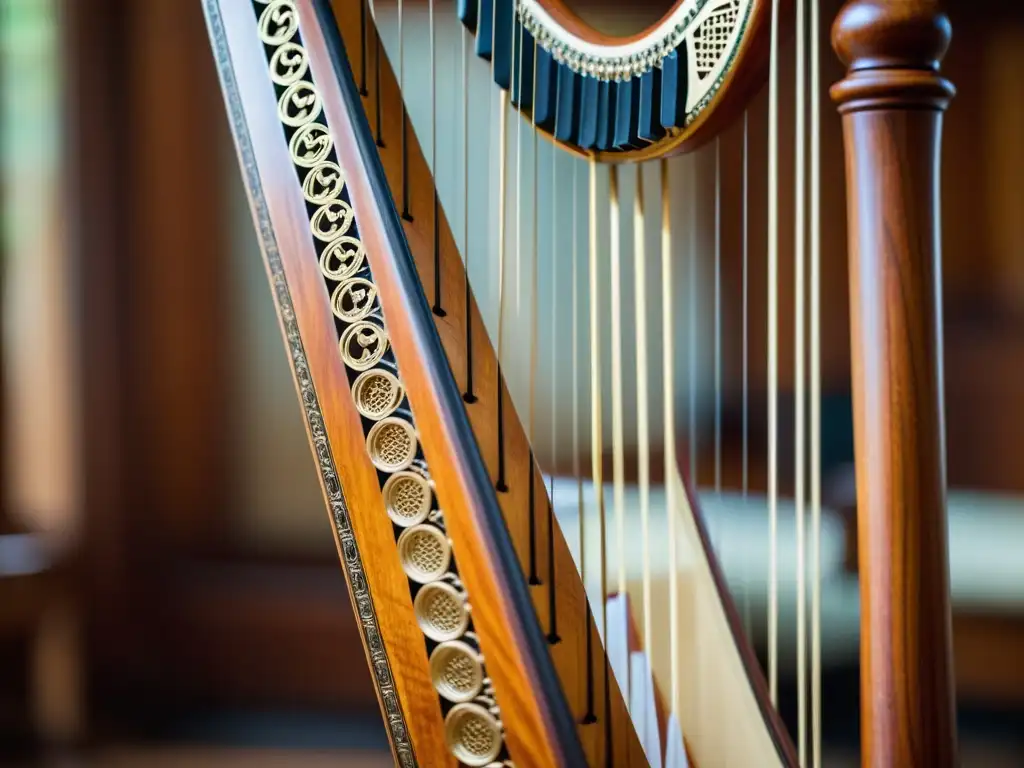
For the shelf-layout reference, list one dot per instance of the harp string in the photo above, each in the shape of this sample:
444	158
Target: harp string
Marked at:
437	308
554	336
799	373
718	318
773	356
618	450
532	415
642	409
502	205
596	416
745	378
675	691
517	267
815	118
691	343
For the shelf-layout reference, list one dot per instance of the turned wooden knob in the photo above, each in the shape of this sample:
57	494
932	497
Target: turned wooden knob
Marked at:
892	50
871	34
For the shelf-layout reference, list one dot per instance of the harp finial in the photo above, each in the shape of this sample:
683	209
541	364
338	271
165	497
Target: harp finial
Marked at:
892	101
892	50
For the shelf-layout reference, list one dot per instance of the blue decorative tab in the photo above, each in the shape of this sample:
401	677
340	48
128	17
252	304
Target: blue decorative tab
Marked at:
544	96
485	29
673	88
505	36
568	105
466	10
605	114
649	126
588	113
526	53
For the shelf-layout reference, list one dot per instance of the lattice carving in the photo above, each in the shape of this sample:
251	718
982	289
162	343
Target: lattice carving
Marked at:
377	394
457	671
407	498
473	734
711	37
441	610
425	553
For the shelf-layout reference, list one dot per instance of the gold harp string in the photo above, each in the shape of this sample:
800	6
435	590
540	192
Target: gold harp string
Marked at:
433	99
535	256
691	331
718	321
773	359
596	425
577	472
519	169
816	703
554	320
642	409
618	452
465	150
799	373
675	691
745	375
502	174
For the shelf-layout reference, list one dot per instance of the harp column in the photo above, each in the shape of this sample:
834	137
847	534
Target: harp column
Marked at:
892	100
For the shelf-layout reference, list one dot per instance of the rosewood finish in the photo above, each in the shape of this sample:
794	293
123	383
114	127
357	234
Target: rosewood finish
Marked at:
892	101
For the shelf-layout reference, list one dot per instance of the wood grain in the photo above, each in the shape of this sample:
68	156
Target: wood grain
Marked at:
386	581
531	719
551	566
892	102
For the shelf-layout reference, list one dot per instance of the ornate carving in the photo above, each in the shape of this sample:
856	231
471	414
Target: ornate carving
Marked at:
395	718
439	599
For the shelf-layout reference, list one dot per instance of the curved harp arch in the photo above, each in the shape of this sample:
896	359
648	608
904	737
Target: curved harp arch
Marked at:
495	635
668	89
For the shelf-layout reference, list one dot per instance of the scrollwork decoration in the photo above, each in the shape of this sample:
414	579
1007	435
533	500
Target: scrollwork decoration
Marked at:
473	725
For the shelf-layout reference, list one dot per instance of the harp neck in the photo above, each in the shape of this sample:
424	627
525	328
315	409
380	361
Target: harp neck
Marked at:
892	101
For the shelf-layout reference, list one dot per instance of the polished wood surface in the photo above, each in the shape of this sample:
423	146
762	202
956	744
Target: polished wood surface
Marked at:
551	565
892	102
389	598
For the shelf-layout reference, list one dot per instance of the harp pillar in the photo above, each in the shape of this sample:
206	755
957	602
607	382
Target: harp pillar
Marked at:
892	100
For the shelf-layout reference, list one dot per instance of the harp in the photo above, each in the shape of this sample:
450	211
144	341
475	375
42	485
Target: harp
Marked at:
512	254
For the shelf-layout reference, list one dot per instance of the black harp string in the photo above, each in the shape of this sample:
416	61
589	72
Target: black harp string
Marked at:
503	96
362	48
534	578
437	306
378	109
406	214
552	612
468	396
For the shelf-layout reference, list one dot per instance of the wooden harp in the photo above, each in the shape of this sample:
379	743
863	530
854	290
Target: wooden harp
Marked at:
512	254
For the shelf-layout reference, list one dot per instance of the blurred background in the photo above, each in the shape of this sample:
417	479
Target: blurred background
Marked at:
169	588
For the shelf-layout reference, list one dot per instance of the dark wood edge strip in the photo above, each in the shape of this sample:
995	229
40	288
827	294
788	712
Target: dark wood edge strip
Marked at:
383	678
751	666
524	629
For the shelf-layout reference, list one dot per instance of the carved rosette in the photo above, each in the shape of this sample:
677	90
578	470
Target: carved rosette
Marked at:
473	728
